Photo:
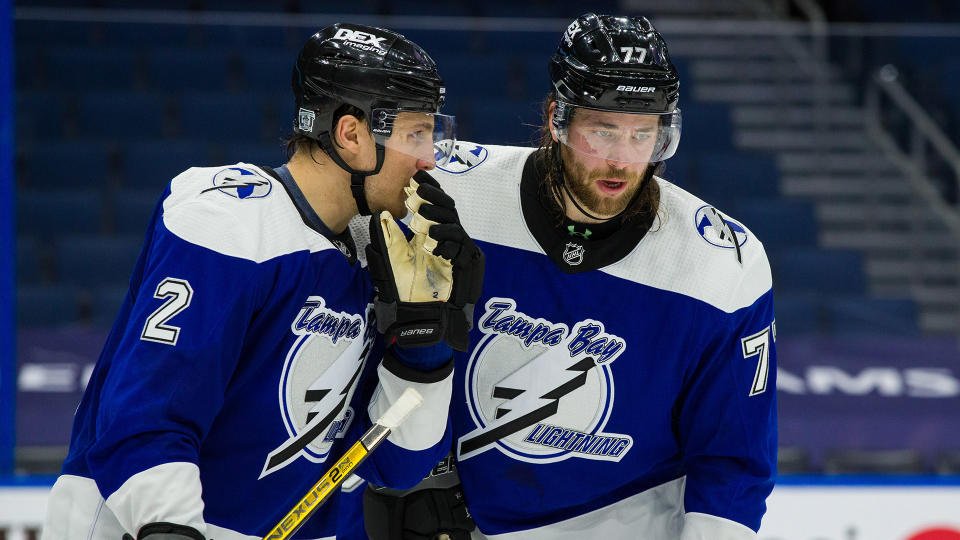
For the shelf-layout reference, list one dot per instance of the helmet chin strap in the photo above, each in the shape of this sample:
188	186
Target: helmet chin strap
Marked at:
357	178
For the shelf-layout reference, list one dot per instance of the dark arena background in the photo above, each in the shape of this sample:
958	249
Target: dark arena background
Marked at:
829	127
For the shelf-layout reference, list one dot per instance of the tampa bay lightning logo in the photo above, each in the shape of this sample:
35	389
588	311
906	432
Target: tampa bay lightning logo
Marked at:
318	380
241	184
718	229
541	392
465	156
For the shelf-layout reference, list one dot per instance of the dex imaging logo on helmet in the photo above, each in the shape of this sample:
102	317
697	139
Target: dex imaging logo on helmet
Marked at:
572	30
357	38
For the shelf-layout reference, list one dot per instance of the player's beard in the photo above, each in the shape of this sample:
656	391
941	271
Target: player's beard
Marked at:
581	184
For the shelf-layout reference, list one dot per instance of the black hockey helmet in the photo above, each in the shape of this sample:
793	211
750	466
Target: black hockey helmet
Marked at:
617	66
615	63
380	72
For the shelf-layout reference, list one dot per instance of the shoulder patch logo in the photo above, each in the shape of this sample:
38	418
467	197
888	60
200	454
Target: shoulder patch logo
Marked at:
240	184
718	229
465	156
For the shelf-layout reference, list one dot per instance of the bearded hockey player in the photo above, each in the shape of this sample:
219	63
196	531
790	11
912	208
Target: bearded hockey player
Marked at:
621	378
245	356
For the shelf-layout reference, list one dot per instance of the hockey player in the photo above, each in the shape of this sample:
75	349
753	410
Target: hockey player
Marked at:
244	360
621	378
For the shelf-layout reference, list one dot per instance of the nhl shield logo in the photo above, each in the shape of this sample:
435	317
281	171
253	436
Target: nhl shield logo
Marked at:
306	118
573	254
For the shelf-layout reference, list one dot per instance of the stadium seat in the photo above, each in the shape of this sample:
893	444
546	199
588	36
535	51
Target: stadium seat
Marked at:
41	115
141	35
91	69
29	260
190	69
221	117
132	209
120	116
723	178
52	212
500	122
797	314
46	305
150	165
78	165
93	261
872	316
269	154
282	42
778	223
857	461
267	71
811	270
485	77
706	127
106	304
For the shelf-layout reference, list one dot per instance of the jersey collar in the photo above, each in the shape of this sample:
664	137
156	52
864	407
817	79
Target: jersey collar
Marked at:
343	241
573	253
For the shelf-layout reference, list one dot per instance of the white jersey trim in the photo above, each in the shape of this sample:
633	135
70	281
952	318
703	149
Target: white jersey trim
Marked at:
426	424
672	256
170	492
656	513
256	229
700	526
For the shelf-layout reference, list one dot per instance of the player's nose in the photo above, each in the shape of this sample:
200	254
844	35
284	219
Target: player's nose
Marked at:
425	165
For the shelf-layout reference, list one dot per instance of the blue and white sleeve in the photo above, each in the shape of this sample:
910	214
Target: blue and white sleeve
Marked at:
727	427
166	380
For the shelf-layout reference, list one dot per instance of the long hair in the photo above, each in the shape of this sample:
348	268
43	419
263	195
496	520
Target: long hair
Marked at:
645	204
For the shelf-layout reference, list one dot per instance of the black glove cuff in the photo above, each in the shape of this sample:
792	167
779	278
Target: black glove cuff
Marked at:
166	531
420	324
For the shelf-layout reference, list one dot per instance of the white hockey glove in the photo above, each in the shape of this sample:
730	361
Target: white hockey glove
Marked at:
423	295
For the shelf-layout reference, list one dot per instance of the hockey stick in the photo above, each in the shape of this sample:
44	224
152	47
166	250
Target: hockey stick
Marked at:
331	480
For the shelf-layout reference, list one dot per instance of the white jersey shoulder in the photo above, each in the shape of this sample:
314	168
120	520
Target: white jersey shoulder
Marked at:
237	210
696	250
690	249
487	192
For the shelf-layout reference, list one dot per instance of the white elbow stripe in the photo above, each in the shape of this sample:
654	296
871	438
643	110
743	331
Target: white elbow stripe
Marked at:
170	492
426	424
699	526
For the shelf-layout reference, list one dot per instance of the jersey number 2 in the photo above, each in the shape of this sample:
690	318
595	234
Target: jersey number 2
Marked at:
178	294
758	345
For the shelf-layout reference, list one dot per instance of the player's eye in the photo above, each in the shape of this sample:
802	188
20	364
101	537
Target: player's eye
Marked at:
641	135
605	133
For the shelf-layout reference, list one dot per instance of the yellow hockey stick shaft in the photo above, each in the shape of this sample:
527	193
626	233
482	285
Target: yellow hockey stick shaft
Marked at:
331	480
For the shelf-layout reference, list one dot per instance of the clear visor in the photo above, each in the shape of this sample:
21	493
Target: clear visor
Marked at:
426	136
617	136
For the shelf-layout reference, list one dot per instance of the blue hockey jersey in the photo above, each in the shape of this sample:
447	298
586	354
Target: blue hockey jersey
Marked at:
243	363
615	388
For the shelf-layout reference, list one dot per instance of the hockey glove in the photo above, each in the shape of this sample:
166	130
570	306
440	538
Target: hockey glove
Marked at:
412	284
435	215
166	531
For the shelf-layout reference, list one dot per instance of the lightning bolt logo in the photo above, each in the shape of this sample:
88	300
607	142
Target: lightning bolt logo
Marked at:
330	393
533	393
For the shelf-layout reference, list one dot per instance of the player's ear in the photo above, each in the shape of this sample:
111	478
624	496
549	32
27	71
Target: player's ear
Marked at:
350	134
553	130
352	137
